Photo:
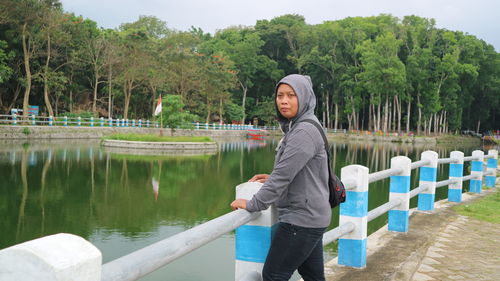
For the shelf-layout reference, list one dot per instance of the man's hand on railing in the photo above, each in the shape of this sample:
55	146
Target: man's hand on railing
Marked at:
239	204
262	178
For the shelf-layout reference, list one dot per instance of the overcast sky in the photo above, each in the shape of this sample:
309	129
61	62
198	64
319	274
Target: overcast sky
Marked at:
477	17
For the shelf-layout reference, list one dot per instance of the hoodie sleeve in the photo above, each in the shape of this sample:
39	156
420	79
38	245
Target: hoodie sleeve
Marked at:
299	149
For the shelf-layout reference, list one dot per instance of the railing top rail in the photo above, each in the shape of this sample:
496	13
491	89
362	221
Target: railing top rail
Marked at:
380	175
418	164
146	260
470	158
489	156
446	160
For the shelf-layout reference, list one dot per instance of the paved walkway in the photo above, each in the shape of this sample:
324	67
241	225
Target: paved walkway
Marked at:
441	245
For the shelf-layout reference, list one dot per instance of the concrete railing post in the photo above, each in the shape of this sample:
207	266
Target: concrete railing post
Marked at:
253	239
79	121
117	122
59	257
14	119
51	120
399	189
92	121
456	173
65	124
428	177
491	168
33	120
133	122
476	185
110	122
352	247
101	122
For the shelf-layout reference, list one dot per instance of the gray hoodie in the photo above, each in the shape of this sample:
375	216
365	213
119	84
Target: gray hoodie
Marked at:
298	184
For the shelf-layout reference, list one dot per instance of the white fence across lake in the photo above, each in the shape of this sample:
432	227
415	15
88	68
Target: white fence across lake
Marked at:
44	259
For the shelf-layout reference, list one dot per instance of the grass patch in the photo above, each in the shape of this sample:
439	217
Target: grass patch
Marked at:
484	209
151	158
155	138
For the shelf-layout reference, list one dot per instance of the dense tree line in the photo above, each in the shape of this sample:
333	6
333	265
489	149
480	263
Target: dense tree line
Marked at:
372	73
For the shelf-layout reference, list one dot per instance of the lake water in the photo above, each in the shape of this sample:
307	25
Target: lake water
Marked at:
122	202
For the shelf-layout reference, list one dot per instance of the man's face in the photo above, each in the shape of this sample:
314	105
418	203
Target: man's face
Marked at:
287	102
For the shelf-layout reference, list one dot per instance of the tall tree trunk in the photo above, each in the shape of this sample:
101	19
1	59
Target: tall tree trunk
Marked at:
96	83
370	117
408	115
221	112
245	89
328	123
110	84
378	116
419	122
27	69
336	116
46	80
127	92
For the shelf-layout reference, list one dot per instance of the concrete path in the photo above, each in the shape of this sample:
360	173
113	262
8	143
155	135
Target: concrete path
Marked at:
441	245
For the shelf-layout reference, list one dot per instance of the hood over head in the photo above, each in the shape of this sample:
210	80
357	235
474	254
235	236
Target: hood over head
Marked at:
303	88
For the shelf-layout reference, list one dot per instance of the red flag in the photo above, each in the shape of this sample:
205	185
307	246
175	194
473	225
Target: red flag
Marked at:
158	107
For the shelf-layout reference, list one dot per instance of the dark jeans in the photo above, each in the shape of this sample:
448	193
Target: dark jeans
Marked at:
294	247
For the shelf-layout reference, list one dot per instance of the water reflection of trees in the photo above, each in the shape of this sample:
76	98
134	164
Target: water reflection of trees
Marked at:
85	190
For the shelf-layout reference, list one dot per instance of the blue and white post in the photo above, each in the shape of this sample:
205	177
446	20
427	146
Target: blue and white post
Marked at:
110	120
491	168
253	239
51	120
456	173
476	184
399	189
92	121
140	123
428	176
352	246
101	122
33	121
14	119
79	121
65	124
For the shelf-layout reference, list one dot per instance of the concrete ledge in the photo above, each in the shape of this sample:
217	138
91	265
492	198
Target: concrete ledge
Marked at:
61	132
60	257
142	145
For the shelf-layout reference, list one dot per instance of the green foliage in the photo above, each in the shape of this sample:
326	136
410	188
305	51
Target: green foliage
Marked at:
369	73
156	138
26	131
84	114
233	112
174	114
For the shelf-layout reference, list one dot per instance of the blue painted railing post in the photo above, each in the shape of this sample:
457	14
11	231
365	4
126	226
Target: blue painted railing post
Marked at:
456	173
253	239
33	121
51	121
491	168
197	125
352	247
476	185
14	119
65	124
428	176
101	122
110	124
126	122
133	122
140	123
206	126
79	121
92	121
399	189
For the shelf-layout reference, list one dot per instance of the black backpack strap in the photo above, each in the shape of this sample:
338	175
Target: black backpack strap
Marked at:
320	129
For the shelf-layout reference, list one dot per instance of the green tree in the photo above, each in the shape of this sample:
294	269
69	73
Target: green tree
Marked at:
174	114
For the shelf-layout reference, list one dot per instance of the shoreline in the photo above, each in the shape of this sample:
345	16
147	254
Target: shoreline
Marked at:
61	132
